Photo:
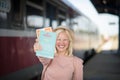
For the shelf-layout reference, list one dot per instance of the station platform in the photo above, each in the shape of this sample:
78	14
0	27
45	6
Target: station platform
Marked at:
103	66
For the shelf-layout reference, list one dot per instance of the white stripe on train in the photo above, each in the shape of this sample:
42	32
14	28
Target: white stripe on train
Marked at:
16	33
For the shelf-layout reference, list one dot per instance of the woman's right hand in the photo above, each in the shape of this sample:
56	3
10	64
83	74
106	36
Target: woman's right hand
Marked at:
43	60
37	46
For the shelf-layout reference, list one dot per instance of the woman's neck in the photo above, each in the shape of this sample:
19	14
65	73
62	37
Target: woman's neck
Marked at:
62	53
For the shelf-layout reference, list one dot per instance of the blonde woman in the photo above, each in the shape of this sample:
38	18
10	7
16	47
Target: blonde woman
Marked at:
64	66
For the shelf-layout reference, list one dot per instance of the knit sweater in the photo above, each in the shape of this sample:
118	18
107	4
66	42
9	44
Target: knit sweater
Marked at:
62	68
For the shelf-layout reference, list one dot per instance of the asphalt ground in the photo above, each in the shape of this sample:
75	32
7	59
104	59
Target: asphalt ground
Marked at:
103	66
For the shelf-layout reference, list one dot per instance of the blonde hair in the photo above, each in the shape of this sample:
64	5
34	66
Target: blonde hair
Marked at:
60	29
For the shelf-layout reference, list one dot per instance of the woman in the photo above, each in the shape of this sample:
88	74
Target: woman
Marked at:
64	66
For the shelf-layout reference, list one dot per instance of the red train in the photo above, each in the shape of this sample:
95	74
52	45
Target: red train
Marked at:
18	21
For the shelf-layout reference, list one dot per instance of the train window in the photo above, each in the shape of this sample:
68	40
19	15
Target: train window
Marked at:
51	18
4	10
62	18
34	15
3	19
62	13
16	15
62	22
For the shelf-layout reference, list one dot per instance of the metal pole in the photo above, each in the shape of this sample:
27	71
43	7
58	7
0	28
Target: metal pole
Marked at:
119	30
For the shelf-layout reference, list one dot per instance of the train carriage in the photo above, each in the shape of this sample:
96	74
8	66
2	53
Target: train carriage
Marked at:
18	21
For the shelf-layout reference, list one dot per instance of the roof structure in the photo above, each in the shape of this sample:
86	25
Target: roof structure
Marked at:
107	6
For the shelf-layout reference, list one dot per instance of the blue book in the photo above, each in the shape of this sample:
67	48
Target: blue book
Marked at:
47	40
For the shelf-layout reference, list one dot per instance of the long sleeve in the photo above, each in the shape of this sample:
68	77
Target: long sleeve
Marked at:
78	69
44	61
61	68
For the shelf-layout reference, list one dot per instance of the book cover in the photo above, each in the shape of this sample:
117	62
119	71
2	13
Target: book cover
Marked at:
47	40
48	29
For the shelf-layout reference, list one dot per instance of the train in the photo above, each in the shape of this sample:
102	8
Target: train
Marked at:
18	21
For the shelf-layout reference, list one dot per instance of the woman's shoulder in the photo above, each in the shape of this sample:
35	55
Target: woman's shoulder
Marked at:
77	59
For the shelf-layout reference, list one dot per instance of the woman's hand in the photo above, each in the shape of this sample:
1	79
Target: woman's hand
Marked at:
37	46
44	61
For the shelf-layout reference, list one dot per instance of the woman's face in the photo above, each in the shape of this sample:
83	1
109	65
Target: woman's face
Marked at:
62	42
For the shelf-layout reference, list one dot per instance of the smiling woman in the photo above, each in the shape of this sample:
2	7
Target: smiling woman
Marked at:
64	40
63	61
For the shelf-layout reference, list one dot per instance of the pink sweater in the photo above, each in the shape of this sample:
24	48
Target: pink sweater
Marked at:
63	68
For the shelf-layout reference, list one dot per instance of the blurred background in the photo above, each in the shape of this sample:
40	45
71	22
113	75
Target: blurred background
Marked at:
95	24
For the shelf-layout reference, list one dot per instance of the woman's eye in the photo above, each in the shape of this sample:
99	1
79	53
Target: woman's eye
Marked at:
58	39
66	40
62	40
